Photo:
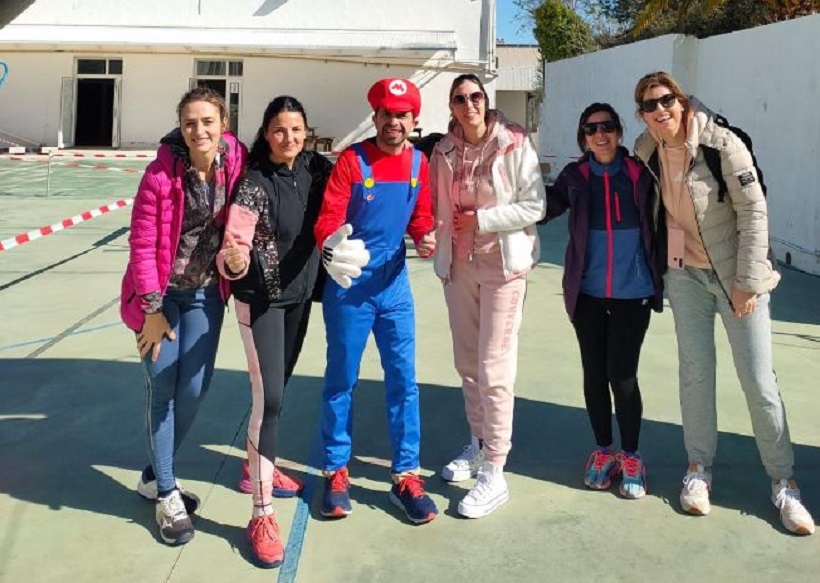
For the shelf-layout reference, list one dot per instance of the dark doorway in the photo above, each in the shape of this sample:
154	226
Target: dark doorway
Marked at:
217	85
95	112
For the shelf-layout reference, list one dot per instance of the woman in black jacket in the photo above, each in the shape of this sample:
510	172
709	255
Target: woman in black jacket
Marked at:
270	254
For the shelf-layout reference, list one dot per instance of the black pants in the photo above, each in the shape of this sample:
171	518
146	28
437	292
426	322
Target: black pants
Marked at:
610	334
278	335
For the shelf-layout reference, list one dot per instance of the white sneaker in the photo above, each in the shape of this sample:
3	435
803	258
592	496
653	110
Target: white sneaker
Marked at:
148	490
466	465
694	497
490	492
175	526
794	516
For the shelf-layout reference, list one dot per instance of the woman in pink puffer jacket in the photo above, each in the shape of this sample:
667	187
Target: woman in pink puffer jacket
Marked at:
173	297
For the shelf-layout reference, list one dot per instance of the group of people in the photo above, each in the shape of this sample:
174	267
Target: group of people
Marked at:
279	227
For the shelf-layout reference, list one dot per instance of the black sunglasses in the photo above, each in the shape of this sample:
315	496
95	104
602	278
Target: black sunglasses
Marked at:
591	128
650	105
476	97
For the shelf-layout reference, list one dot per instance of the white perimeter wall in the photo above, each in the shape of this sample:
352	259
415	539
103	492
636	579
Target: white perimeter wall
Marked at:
765	80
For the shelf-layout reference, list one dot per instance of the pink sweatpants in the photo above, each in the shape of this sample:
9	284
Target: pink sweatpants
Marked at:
485	315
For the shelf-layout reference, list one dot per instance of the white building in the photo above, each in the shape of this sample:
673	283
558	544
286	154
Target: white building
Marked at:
516	87
109	73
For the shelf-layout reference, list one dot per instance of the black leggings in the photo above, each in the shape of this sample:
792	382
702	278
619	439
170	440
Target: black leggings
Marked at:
610	334
277	335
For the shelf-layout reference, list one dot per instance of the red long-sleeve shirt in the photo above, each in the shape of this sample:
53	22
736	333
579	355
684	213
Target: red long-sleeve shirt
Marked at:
386	168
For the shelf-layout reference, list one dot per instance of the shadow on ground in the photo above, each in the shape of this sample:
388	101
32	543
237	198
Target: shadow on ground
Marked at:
64	419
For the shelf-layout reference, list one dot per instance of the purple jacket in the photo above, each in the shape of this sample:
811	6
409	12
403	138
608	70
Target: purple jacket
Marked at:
156	226
571	191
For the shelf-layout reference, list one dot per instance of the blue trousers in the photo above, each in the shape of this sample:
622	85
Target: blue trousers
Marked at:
178	381
386	308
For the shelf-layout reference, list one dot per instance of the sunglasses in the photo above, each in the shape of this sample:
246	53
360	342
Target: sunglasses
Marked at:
650	105
476	98
592	127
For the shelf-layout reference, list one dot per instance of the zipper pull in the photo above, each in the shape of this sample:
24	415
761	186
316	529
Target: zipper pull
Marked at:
617	207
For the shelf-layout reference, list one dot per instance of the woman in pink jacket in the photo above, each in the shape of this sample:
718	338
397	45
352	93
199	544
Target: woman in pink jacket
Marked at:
173	297
487	194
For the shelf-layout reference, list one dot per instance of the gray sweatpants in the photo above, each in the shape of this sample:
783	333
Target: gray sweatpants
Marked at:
696	297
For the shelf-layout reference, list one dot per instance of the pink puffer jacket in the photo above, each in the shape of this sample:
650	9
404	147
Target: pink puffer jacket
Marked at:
156	226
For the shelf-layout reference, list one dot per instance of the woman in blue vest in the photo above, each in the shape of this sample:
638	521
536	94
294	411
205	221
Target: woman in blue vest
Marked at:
611	283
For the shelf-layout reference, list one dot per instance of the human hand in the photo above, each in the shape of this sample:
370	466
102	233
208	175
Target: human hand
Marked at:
743	302
233	254
465	221
154	328
344	258
427	244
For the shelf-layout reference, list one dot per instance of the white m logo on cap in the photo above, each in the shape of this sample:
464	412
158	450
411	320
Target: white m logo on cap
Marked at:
398	87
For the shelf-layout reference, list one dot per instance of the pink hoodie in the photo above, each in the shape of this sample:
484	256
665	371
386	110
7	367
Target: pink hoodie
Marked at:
156	225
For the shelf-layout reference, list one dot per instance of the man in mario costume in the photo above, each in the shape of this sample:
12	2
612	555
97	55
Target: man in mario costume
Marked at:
378	190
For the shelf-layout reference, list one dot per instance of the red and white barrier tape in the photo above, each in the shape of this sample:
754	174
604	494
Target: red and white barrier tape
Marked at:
64	224
41	161
83	155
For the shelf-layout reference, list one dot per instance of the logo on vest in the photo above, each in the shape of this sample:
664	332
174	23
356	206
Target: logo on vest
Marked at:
398	87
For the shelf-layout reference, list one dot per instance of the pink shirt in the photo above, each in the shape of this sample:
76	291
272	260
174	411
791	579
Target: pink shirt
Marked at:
473	189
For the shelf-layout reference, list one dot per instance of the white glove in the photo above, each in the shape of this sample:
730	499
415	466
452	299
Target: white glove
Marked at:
343	257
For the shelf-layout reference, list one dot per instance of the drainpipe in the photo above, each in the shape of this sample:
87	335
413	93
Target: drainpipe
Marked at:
487	43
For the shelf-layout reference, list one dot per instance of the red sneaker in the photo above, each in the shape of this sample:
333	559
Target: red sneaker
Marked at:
266	544
284	486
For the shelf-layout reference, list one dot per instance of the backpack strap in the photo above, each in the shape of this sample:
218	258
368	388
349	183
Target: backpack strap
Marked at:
712	158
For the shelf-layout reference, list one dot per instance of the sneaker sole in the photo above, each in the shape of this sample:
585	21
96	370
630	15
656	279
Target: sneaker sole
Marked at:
475	512
336	513
694	510
454	477
396	502
184	539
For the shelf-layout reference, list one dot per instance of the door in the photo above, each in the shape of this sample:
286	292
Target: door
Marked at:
95	112
65	135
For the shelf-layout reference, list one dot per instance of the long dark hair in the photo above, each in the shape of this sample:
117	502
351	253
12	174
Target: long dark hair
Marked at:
587	113
260	151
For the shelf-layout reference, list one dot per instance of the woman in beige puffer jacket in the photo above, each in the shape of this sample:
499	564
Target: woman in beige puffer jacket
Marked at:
718	264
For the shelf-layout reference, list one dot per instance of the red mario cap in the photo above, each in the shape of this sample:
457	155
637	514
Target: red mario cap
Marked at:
395	95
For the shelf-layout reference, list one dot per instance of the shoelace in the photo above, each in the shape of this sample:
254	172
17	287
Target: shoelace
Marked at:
696	482
631	466
787	497
413	484
339	481
280	479
174	506
467	454
265	528
600	459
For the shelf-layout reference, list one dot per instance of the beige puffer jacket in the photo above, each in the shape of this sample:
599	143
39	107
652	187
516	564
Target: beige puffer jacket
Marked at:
735	232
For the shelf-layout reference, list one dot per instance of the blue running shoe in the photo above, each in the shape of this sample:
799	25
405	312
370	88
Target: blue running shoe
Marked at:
601	468
336	497
409	495
633	475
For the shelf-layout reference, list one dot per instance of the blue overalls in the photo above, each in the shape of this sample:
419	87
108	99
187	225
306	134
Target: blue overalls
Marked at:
379	300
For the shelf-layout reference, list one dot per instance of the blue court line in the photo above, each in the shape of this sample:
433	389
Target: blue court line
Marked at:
42	340
298	529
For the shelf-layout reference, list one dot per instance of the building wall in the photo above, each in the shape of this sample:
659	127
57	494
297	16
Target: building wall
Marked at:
513	104
462	16
765	80
154	77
